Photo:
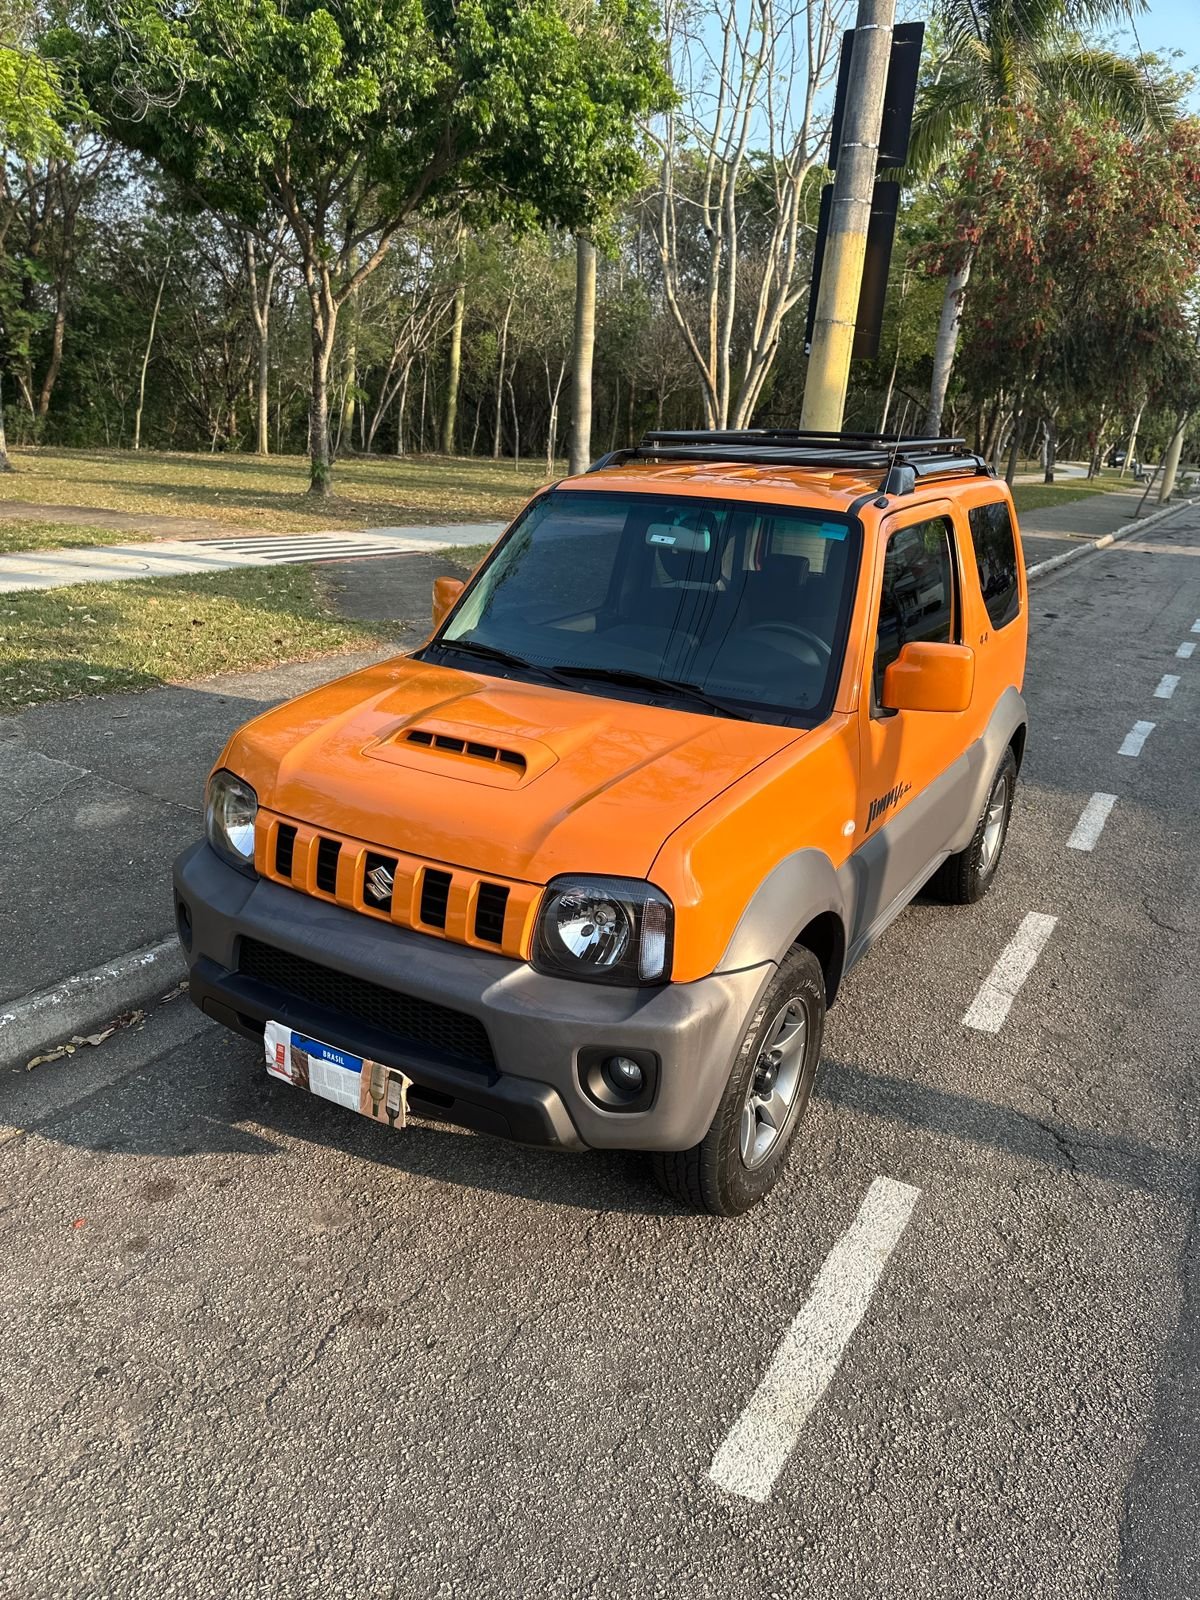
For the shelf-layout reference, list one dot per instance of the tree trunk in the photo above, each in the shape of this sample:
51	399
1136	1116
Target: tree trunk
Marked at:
1051	448
1131	447
581	370
1014	449
991	441
947	343
1097	453
319	470
56	354
349	391
5	464
454	365
137	416
891	390
502	354
552	425
264	397
1170	465
512	395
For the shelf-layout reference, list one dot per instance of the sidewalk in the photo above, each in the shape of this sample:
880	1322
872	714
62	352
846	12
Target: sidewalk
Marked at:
1053	529
54	569
101	794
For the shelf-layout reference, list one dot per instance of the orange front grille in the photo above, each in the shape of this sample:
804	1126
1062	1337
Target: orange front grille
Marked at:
447	902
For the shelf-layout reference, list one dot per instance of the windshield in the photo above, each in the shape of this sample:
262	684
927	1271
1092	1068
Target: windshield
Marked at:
744	602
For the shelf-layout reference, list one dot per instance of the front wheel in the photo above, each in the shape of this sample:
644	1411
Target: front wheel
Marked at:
966	877
742	1155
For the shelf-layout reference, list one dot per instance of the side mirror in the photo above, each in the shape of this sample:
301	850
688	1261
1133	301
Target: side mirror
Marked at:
930	677
445	596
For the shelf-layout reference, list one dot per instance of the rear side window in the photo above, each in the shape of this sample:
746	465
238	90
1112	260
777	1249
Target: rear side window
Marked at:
917	603
996	558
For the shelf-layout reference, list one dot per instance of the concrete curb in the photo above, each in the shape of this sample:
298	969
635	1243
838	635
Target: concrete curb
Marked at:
84	1003
1053	563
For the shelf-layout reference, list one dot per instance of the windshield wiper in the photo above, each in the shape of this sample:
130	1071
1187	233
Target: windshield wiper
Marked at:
489	652
647	680
564	675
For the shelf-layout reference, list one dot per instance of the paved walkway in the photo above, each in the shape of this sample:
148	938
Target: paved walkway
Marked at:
54	569
1052	529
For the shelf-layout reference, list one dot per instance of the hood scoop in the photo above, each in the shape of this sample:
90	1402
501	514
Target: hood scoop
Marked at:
461	750
472	749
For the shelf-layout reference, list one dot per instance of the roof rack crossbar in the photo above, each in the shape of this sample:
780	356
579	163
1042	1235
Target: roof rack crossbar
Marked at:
796	447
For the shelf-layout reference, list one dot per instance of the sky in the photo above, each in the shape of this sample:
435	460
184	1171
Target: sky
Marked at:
1167	26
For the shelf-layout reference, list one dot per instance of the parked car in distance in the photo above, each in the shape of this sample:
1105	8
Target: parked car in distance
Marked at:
588	867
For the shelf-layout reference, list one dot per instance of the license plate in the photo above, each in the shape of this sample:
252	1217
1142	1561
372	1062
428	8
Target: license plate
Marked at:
367	1087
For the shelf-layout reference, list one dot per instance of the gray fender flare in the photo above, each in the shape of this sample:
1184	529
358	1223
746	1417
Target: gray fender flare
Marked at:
1006	720
799	889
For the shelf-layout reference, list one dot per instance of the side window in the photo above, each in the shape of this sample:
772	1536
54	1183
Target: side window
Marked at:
996	558
917	602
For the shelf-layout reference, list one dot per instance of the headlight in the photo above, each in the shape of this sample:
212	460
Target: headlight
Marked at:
605	930
230	807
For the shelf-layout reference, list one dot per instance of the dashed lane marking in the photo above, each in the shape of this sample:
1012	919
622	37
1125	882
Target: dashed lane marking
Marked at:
1091	823
755	1450
1167	686
1196	625
1135	739
1003	983
1186	650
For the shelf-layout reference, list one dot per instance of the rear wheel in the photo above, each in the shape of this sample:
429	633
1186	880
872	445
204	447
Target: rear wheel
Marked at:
742	1155
966	877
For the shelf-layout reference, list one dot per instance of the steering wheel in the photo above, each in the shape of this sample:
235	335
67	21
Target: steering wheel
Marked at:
816	644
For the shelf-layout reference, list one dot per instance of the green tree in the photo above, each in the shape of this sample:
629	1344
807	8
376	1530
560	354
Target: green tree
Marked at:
351	117
997	59
1085	260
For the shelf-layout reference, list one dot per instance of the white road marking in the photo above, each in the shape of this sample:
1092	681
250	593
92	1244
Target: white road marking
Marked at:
1002	984
1167	686
755	1450
1091	823
1185	650
1136	738
1196	625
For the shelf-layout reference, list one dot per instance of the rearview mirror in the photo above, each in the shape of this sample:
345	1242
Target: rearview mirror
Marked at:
930	677
445	595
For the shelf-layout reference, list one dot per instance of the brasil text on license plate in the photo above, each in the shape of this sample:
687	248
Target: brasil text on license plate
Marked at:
367	1087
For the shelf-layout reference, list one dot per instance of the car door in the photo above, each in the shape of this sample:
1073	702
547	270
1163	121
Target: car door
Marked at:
915	772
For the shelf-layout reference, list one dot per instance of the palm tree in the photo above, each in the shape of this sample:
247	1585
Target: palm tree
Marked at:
998	58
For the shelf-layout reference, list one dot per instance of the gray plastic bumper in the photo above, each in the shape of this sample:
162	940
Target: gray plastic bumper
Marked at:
543	1031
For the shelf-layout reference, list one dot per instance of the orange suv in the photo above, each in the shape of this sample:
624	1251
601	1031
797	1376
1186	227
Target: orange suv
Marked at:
587	868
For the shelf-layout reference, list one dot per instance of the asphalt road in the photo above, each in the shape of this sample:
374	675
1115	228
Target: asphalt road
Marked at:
252	1346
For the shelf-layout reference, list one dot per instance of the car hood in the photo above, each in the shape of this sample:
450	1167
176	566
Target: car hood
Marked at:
517	779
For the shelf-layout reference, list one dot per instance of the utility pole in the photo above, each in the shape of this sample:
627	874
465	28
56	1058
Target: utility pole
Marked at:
846	244
584	344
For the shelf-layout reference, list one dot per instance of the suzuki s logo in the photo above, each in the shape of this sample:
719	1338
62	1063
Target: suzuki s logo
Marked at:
380	883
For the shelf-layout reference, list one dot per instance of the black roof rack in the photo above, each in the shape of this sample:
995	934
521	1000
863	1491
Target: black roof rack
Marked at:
903	458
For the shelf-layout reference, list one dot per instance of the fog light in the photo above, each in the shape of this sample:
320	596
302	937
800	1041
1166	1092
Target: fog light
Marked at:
623	1075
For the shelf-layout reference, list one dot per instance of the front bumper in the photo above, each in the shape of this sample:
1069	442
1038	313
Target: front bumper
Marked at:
542	1030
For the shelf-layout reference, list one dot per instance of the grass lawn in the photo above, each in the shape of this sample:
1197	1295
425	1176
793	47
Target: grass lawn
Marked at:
98	638
1037	496
25	533
270	494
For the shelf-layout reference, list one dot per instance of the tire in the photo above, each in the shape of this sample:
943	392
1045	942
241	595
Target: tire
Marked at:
780	1051
966	877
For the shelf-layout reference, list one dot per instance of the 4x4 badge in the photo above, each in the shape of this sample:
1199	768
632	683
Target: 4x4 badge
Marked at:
380	882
